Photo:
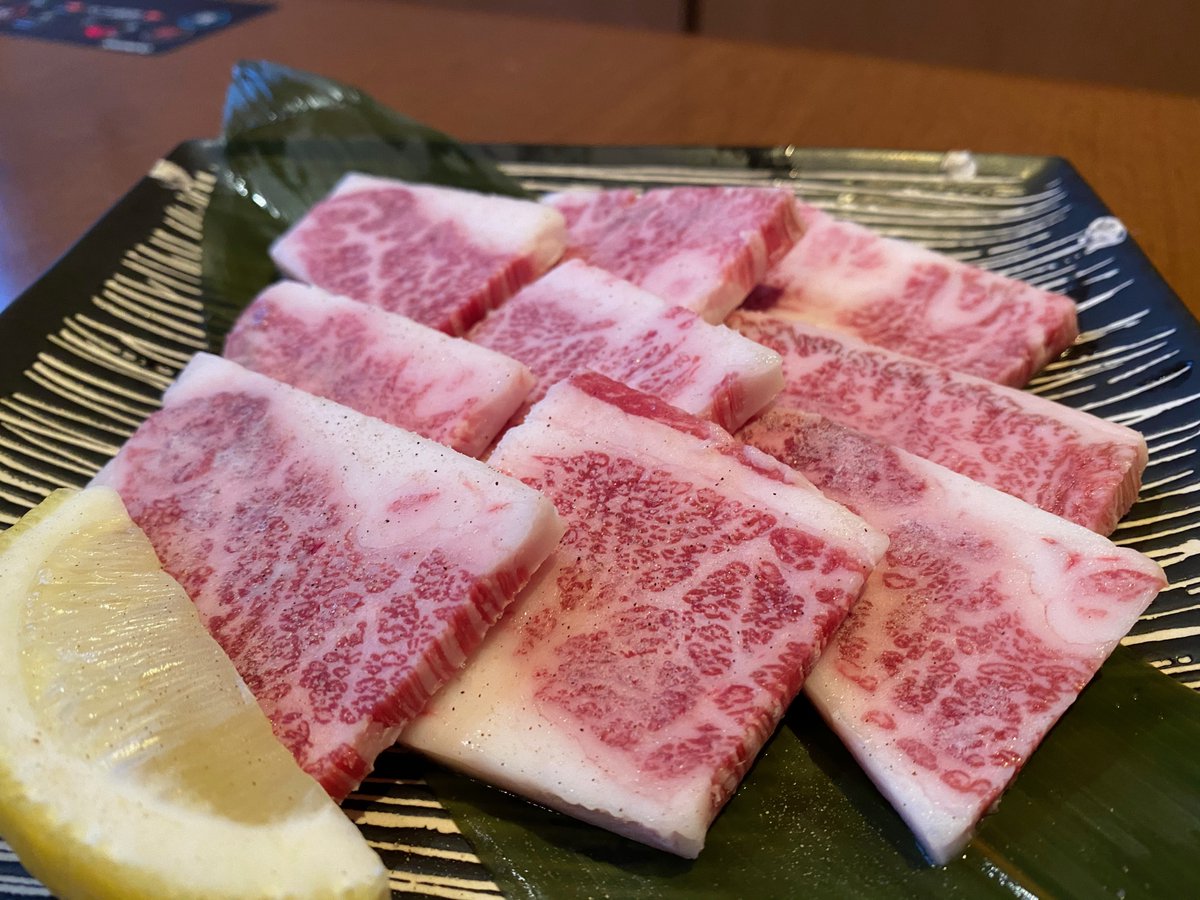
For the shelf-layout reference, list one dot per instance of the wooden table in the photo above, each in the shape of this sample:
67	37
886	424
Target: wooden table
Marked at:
79	126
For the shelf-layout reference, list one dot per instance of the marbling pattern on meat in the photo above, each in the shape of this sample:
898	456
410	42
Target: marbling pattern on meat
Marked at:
346	566
578	317
701	248
1067	462
588	214
978	629
634	681
916	302
438	255
382	364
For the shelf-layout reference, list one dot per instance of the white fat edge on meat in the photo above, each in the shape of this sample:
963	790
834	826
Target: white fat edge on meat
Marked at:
793	495
493	222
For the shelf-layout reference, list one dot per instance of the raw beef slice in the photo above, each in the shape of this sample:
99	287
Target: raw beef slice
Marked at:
382	364
979	628
438	255
917	302
346	566
1067	462
634	681
699	247
578	317
588	214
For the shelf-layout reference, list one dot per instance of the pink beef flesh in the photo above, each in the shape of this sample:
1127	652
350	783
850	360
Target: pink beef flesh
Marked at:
438	255
588	214
634	681
917	302
978	629
1067	462
579	317
382	364
701	248
346	566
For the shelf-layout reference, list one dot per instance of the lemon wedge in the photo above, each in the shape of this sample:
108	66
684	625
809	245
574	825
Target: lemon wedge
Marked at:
133	761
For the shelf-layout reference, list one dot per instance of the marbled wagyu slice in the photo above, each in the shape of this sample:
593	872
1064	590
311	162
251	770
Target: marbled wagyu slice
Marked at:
385	365
980	627
634	681
1067	462
579	317
588	214
917	302
346	566
438	255
703	248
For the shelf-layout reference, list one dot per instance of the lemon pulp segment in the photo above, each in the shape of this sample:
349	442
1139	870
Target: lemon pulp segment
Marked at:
133	761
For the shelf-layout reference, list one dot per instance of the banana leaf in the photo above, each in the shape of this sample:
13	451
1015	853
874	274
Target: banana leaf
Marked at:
1109	806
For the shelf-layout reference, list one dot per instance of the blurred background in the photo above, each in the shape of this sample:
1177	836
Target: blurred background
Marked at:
1150	44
